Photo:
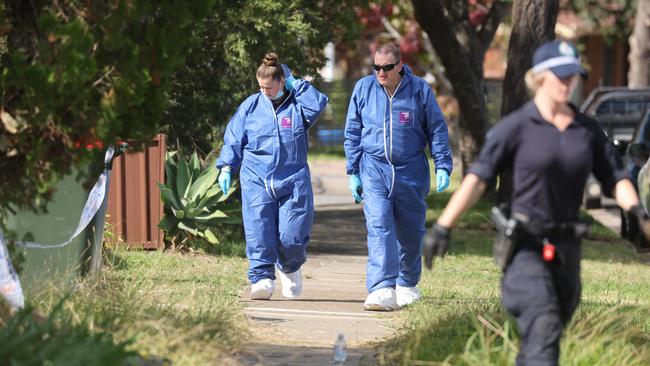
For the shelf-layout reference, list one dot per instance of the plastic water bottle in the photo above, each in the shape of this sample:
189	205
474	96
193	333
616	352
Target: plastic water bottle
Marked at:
340	350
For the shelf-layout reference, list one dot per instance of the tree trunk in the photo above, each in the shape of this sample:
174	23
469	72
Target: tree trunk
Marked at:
533	23
461	49
639	57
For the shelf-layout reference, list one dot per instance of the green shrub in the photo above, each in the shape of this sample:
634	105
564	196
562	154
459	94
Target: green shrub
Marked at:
23	341
194	204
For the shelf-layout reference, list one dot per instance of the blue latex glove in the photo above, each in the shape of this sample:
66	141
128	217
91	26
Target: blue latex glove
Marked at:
224	181
355	187
442	180
288	77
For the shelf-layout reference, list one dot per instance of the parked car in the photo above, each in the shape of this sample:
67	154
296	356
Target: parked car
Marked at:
618	110
636	159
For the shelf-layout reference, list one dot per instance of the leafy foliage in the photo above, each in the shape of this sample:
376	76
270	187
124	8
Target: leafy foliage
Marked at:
73	72
80	71
24	341
220	73
611	18
194	204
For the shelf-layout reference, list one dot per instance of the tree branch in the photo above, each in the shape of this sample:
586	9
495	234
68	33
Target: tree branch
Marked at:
430	14
103	77
492	21
389	27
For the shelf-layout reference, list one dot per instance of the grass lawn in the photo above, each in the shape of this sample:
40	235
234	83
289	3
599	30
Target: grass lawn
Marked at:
182	308
461	322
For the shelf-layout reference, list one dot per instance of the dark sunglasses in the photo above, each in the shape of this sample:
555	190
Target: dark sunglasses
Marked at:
386	68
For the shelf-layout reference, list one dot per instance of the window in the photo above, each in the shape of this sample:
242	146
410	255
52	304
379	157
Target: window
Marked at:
636	107
603	108
618	107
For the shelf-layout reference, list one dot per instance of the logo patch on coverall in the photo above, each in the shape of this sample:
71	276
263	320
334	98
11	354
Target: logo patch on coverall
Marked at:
404	118
286	122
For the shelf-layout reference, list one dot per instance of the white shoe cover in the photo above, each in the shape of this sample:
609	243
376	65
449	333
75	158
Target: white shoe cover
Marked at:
407	295
383	299
262	289
291	283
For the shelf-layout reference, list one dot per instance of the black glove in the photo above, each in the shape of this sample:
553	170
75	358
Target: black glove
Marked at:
436	243
644	219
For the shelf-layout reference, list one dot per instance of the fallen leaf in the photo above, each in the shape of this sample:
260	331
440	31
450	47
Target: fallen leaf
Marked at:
9	122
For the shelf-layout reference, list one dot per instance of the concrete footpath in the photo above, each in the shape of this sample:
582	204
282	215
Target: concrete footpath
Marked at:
303	331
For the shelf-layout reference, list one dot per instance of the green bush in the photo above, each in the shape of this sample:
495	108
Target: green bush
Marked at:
195	207
23	341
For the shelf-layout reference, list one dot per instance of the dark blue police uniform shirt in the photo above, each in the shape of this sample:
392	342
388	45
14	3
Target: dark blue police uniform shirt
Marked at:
550	167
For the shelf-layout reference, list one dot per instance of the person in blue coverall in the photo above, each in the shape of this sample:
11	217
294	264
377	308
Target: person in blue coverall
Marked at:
266	140
392	117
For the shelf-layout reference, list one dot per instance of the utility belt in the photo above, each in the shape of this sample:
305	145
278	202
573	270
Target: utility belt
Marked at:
518	226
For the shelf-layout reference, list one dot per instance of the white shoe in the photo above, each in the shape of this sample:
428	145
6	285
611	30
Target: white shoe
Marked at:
383	299
262	289
291	283
407	295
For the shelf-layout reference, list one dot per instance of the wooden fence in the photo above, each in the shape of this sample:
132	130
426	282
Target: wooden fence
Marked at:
134	205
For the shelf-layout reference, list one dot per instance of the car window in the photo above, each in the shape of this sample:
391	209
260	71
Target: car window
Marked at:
636	107
618	107
603	108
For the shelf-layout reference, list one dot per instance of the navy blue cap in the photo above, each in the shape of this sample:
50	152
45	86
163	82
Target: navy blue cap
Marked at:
560	57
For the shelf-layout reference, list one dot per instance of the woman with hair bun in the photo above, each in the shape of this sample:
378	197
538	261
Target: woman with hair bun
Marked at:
266	140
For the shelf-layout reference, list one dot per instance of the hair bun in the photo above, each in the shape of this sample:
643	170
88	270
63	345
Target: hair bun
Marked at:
270	59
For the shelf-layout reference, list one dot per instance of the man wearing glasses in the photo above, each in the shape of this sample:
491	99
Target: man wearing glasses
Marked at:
392	117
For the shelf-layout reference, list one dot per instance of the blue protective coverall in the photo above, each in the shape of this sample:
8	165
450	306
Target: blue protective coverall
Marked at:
385	142
277	199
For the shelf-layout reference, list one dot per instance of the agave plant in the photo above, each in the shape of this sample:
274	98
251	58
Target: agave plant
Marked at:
194	203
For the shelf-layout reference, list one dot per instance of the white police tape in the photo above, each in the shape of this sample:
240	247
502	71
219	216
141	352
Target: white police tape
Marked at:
10	287
93	203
